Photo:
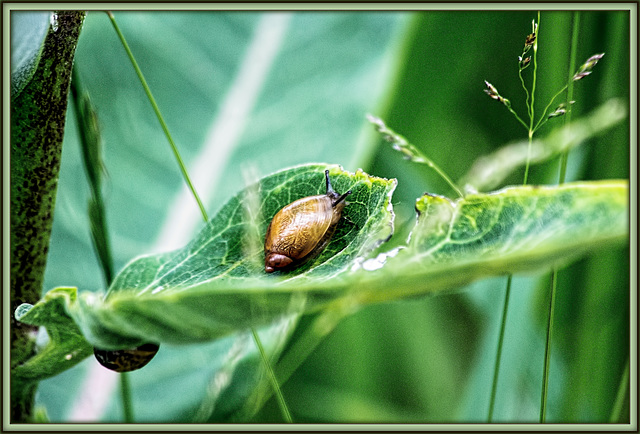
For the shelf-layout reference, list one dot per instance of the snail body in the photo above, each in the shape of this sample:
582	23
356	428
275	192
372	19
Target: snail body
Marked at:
302	229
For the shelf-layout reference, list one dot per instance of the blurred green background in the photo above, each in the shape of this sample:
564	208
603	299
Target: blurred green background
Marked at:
252	92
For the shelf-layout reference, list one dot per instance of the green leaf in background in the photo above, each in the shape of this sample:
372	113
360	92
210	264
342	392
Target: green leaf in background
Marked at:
28	30
420	360
490	171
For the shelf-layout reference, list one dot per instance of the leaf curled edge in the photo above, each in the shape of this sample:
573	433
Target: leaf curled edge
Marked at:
67	345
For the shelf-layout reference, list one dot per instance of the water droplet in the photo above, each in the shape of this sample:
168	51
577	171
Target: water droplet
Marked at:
377	262
54	22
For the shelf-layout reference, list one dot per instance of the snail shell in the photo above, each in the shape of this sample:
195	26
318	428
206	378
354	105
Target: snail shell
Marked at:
126	360
302	229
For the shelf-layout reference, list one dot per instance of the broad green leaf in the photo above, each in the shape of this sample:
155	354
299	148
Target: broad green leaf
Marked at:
549	223
517	229
230	247
191	295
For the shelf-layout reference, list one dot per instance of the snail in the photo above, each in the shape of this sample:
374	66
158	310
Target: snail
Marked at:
302	229
126	360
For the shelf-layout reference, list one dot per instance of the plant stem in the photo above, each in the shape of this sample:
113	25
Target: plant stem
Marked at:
125	390
526	168
572	67
535	71
518	118
90	144
544	119
531	112
526	91
547	351
444	176
410	152
37	121
496	369
563	171
533	96
185	175
300	350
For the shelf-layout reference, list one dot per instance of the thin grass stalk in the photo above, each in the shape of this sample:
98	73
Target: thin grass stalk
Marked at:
505	308
90	144
496	368
621	396
562	175
272	376
526	91
547	351
544	117
187	179
300	350
410	152
156	109
572	67
533	97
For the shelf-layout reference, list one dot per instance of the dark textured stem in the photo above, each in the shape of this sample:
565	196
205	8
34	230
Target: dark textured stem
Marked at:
37	128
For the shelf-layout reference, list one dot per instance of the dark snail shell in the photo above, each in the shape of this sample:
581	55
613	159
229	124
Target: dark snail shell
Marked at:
302	229
126	360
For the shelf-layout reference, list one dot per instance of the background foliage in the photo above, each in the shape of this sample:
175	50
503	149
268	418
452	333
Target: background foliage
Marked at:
423	360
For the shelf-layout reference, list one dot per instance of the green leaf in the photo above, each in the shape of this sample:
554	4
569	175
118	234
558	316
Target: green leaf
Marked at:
212	288
544	225
517	229
191	295
66	347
